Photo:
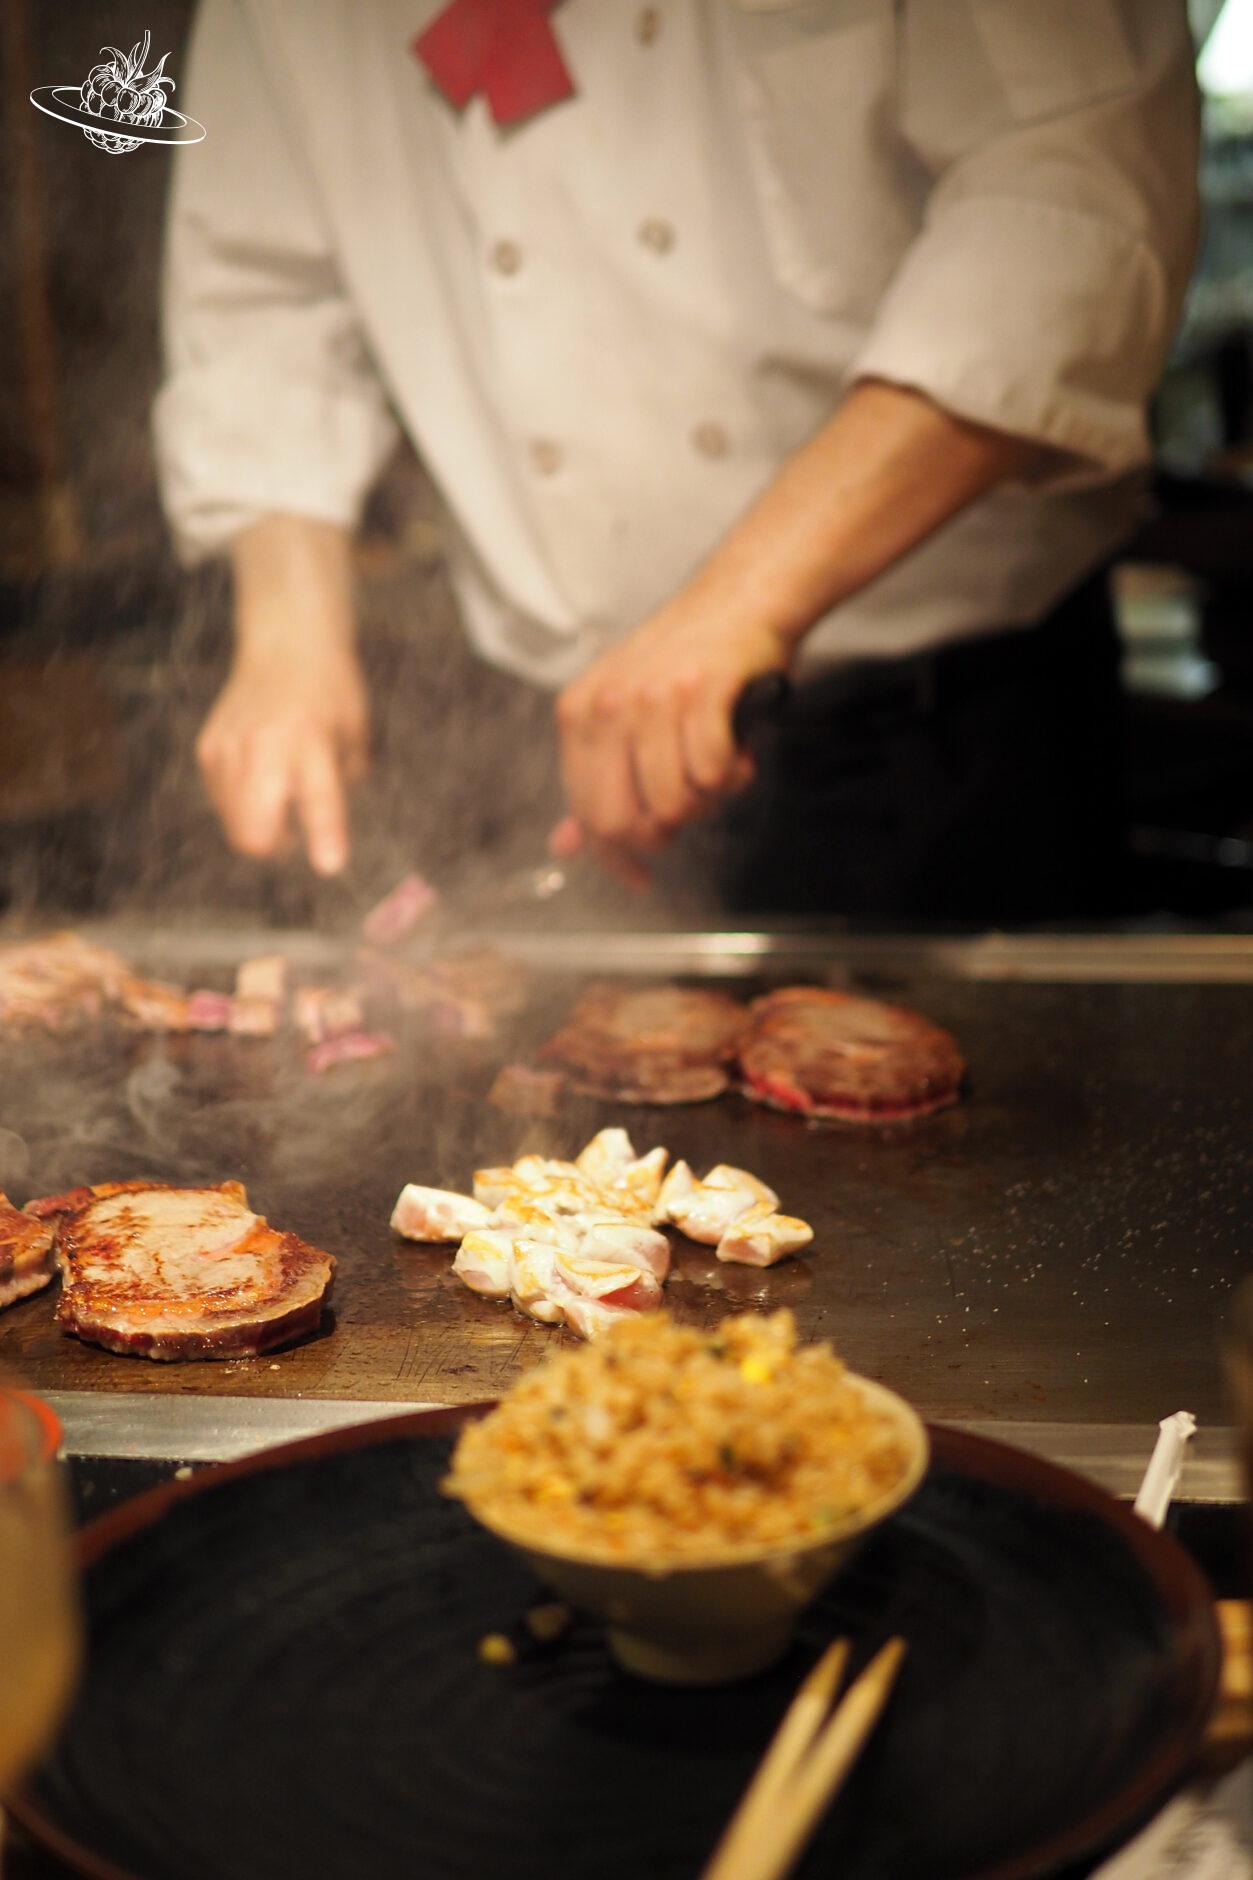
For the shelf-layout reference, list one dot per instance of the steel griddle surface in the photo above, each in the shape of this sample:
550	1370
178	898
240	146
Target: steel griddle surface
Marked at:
1057	1249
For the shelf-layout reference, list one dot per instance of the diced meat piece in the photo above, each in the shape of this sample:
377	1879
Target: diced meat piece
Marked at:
678	1183
484	1260
349	1047
708	1209
399	912
592	1317
761	1237
27	1261
632	1287
264	977
492	1185
650	1044
609	1154
834	1054
253	1017
521	1090
208	1011
436	1213
460	1018
58	980
151	1005
533	1282
623	1242
623	1178
169	1273
321	1012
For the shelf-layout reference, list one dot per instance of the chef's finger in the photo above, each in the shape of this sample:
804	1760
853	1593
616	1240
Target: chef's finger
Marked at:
566	838
323	808
251	790
663	785
624	865
596	768
709	751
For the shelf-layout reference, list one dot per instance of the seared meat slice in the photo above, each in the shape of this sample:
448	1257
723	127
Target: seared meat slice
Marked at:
834	1054
26	1257
162	1272
649	1044
57	981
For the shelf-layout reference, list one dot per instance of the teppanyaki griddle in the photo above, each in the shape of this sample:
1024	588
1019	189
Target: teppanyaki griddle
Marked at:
1056	1251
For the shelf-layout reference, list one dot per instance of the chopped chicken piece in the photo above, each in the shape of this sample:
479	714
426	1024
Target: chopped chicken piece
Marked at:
706	1210
610	1161
535	1281
253	1017
761	1237
399	912
153	1005
607	1155
347	1046
603	1238
590	1317
493	1185
534	1171
724	1176
436	1213
208	1011
322	1012
545	1201
679	1182
631	1286
485	1262
264	977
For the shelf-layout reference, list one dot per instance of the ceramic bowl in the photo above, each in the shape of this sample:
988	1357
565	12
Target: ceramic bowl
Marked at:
710	1621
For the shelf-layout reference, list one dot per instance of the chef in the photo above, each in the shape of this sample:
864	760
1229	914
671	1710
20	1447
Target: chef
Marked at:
737	336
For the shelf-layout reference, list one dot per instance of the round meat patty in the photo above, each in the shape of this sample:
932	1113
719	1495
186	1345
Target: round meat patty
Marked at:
834	1054
649	1044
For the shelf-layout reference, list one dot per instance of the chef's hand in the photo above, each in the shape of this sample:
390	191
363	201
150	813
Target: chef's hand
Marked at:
646	739
646	735
280	749
289	733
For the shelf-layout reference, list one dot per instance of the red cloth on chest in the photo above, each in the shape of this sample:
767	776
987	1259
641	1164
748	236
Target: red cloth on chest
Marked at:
504	48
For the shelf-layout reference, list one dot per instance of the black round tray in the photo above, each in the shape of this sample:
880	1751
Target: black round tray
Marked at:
282	1678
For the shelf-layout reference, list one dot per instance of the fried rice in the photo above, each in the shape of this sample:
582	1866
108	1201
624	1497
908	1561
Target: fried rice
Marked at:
660	1444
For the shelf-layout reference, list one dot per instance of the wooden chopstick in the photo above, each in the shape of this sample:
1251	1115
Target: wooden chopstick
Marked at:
808	1757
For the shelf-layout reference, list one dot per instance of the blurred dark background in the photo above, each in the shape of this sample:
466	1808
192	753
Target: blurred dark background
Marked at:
110	655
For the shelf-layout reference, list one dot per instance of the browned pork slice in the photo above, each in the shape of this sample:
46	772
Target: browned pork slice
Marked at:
159	1272
648	1044
834	1054
26	1258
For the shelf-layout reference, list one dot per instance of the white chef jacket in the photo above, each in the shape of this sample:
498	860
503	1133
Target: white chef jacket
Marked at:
606	328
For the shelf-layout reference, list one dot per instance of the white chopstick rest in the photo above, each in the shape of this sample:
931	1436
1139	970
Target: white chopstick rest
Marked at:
1161	1478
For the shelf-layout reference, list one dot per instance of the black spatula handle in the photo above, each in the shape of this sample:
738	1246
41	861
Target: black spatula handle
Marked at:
759	704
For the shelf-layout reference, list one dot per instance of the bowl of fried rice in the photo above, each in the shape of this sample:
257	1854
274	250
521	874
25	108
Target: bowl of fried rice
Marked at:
695	1489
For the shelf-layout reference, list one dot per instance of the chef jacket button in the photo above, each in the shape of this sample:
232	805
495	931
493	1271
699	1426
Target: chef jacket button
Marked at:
648	25
657	235
546	456
711	439
506	257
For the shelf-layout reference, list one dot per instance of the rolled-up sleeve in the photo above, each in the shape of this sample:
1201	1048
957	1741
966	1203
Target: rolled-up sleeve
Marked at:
270	402
1042	291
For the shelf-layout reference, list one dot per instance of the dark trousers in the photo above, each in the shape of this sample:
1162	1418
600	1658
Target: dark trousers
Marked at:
975	785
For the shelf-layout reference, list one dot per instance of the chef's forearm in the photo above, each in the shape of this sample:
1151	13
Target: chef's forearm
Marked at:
888	469
293	586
